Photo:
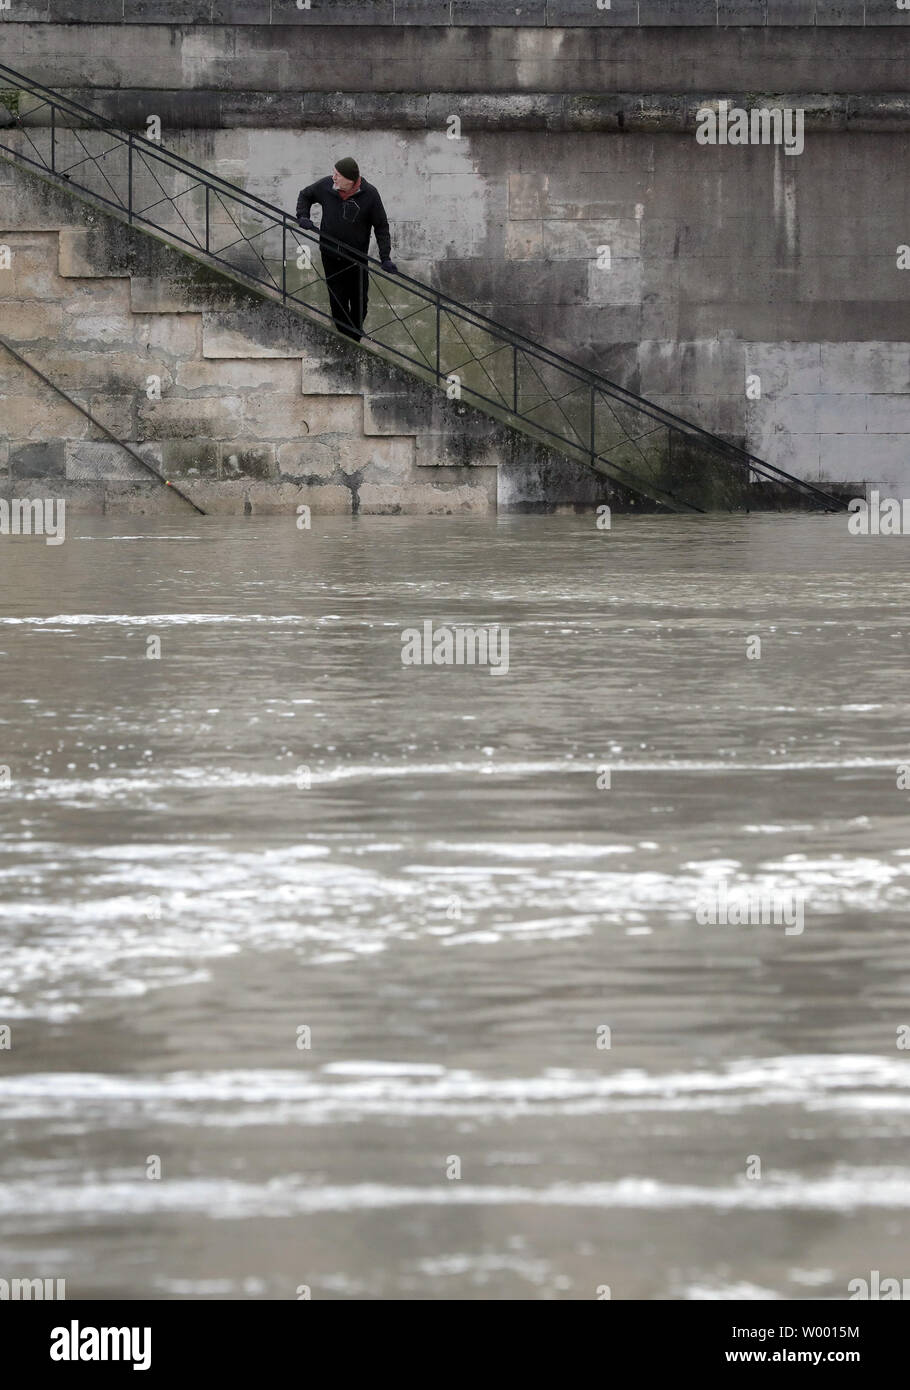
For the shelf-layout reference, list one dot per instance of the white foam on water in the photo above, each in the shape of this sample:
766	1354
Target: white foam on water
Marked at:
96	922
156	619
137	786
29	1203
735	1293
354	1090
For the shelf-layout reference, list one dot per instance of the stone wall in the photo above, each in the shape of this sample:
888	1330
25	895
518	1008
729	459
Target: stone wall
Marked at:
233	63
463	13
577	132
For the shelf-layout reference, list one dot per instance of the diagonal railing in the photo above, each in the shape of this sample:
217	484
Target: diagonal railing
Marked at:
99	424
548	397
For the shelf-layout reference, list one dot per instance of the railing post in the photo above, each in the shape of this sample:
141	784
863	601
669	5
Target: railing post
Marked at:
53	139
206	219
129	175
438	330
593	424
514	378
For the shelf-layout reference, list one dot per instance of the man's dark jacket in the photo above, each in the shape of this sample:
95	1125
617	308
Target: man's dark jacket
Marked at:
349	219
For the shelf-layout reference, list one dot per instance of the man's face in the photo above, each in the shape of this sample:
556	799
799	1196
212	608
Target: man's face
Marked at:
341	183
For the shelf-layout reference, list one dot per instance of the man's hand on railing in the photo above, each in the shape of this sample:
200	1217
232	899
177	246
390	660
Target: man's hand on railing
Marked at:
389	266
307	225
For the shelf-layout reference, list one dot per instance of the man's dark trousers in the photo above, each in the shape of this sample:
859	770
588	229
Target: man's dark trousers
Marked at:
347	281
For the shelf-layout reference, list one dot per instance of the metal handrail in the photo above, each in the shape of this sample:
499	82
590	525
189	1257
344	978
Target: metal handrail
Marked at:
731	454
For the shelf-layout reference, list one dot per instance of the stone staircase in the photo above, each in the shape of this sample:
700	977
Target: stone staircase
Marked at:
260	409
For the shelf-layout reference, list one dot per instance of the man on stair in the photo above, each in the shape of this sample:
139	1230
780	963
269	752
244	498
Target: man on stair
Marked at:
351	209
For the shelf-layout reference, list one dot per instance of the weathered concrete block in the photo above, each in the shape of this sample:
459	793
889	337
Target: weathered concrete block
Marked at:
81	497
620	284
791	415
422	410
40	415
475	496
271	416
247	460
308	458
835	12
320	376
15	379
379	460
176	335
886	414
870	278
524	241
218	498
323	498
505	282
89	460
97	299
238	11
457	451
4	458
29	10
661	239
884	12
531	478
216	376
189	458
784	368
190	293
529	197
31	274
874	367
791	12
659	368
499	111
850	458
93	331
342	12
799	454
32	322
73	11
180	11
687	12
149	296
115	413
252	335
487	12
714	367
719	414
200	418
565	12
396	414
315	415
37	460
105	372
846	414
74	253
742	11
122	498
422	12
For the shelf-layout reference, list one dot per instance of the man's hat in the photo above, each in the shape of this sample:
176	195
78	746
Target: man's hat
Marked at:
348	168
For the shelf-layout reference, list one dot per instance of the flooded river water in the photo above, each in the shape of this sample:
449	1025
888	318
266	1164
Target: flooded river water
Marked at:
326	972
